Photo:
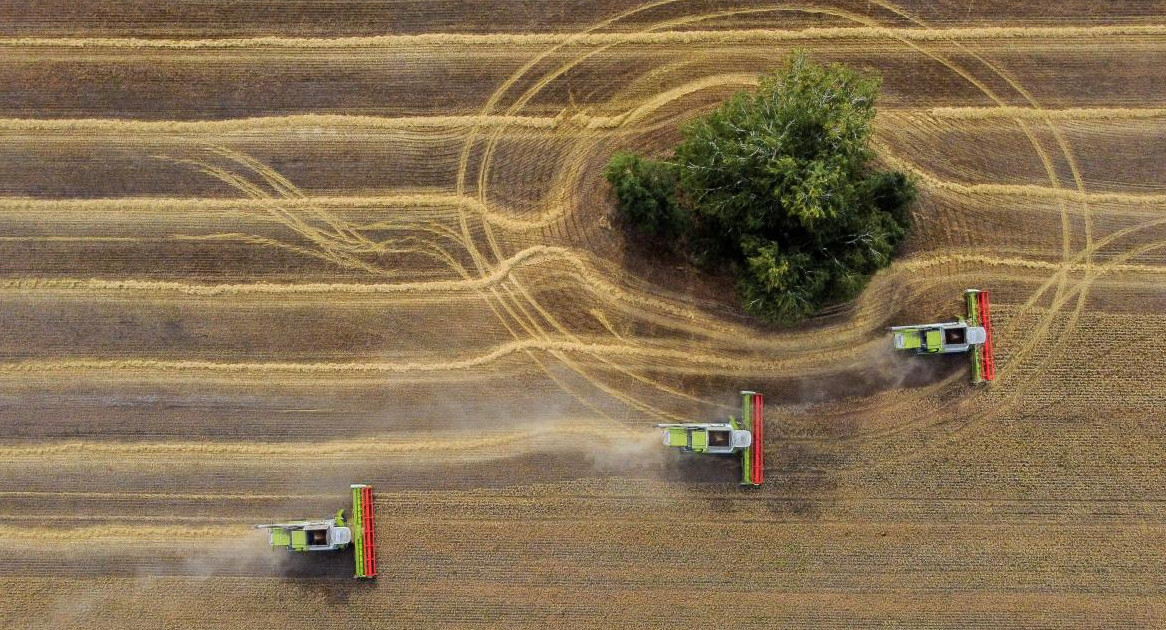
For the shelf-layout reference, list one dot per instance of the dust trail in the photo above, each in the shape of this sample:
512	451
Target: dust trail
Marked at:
883	369
582	434
642	449
237	547
739	36
247	550
138	534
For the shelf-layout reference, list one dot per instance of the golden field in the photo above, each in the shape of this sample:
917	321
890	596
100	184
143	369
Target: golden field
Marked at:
253	252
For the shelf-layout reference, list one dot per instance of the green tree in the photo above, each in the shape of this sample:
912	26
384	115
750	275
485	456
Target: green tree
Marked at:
646	191
776	184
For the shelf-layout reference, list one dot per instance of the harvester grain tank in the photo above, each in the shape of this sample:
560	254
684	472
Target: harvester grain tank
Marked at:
973	334
742	436
334	534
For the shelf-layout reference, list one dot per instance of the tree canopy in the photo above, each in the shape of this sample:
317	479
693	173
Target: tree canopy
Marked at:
776	185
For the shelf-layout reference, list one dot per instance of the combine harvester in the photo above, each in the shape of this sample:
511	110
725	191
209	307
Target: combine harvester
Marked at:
334	534
973	334
744	436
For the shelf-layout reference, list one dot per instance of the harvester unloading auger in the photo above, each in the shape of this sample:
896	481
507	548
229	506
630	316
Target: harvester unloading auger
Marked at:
973	334
744	436
333	534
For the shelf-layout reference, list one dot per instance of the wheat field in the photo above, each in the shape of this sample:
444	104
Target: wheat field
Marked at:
253	252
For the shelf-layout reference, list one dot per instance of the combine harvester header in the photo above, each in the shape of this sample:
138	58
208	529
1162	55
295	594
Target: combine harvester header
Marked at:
973	334
983	355
335	533
363	525
745	436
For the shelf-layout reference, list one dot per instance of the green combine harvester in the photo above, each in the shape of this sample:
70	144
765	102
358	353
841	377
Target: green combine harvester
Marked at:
334	534
973	334
744	436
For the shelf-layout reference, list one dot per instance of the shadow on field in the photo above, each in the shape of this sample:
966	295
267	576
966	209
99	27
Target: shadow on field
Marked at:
317	564
881	372
702	468
334	591
325	575
796	479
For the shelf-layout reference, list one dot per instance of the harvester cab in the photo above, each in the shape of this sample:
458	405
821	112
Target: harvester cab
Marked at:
742	436
333	534
717	439
944	337
321	535
973	334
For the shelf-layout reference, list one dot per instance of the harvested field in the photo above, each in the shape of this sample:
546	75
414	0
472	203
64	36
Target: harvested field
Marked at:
253	252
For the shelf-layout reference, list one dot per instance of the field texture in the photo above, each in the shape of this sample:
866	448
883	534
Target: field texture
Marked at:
253	252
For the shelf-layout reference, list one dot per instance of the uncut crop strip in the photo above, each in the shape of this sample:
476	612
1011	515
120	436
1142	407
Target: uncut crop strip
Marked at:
544	40
563	122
